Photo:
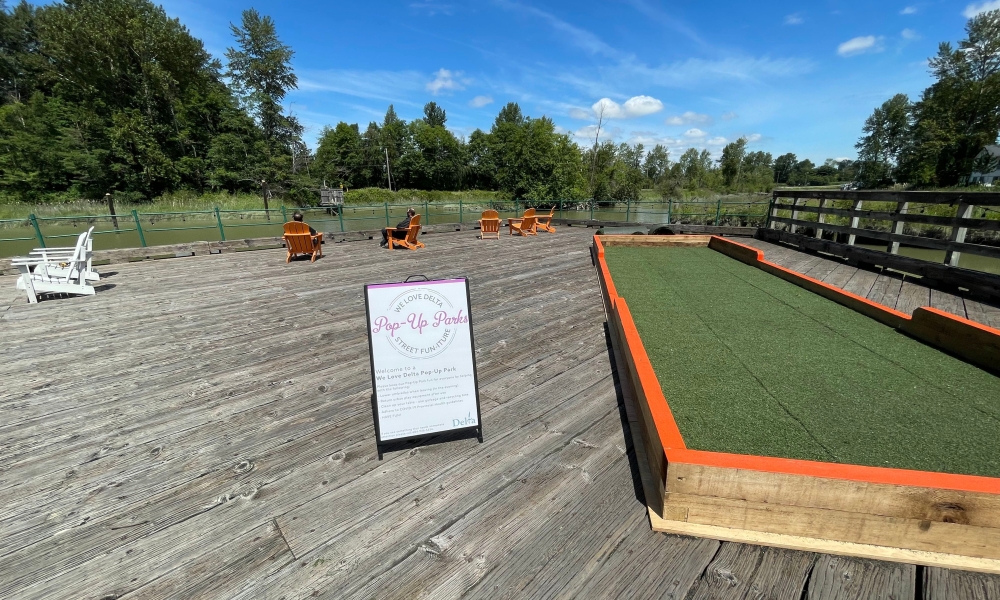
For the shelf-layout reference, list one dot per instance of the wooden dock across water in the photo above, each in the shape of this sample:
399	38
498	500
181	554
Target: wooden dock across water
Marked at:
201	428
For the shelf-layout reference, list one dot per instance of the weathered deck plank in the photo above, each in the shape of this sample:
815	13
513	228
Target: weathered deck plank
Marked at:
189	449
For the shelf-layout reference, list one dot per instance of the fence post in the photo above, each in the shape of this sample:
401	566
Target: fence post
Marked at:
386	214
718	211
111	207
461	214
670	206
957	233
38	231
592	203
218	219
897	226
770	212
560	209
340	217
427	213
628	209
855	221
284	213
138	228
795	215
821	218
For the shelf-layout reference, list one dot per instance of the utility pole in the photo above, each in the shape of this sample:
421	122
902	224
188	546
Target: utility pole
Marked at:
593	156
387	173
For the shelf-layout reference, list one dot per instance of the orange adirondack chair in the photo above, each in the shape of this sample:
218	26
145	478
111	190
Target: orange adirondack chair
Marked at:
410	241
545	221
489	224
298	240
525	225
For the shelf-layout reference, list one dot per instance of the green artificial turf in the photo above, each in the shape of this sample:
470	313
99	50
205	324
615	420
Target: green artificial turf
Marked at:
752	364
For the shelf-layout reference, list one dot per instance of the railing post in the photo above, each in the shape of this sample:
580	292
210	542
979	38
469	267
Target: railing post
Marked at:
855	221
795	215
138	227
592	203
461	213
218	219
718	211
897	226
560	209
957	234
770	212
386	214
284	213
670	207
340	217
38	231
628	209
427	213
821	218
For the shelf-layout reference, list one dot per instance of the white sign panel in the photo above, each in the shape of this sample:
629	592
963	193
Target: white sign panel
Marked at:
423	360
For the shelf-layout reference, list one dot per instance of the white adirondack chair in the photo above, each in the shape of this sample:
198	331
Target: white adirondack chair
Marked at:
56	256
71	278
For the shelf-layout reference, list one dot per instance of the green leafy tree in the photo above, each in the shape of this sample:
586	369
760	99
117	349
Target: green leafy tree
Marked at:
434	115
656	165
783	166
731	162
886	134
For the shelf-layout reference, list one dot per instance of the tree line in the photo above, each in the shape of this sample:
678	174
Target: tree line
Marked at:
934	141
114	96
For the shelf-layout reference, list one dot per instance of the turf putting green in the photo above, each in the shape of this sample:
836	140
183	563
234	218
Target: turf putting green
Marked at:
752	364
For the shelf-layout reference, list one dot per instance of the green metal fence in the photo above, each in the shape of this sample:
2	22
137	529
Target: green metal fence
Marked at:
141	229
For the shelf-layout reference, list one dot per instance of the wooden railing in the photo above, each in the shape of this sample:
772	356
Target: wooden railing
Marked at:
968	204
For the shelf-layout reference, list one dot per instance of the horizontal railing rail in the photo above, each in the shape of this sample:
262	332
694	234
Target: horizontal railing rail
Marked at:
901	219
141	229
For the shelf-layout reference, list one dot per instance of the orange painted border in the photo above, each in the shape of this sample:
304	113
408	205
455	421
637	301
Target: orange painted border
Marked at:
673	442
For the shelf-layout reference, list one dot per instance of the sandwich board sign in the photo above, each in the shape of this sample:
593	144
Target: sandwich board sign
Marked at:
423	359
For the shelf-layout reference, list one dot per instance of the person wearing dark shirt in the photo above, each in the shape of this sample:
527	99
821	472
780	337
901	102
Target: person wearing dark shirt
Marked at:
297	216
399	232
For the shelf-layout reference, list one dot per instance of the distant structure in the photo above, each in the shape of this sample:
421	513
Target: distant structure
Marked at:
331	197
986	167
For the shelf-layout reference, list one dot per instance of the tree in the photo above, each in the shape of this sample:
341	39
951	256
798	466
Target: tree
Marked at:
731	162
886	134
434	115
783	166
656	164
960	113
339	155
261	72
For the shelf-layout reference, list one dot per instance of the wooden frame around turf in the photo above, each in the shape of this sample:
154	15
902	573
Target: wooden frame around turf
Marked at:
934	519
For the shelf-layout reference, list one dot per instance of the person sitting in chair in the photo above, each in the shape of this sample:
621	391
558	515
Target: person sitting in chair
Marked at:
297	216
399	232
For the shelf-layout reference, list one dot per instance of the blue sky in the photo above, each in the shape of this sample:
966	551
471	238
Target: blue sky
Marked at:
792	77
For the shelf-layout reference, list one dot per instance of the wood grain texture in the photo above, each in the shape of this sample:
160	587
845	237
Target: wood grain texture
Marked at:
847	578
185	448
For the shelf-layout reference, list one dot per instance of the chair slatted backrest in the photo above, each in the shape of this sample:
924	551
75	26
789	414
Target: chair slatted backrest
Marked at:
490	222
413	231
298	238
528	222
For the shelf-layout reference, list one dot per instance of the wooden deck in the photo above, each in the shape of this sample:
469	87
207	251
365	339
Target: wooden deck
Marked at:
202	428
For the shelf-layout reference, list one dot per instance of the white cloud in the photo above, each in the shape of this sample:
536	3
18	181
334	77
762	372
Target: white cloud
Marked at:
579	113
480	101
729	116
909	10
390	86
909	34
694	132
637	106
975	9
687	118
794	19
575	35
717	141
860	45
753	137
445	80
